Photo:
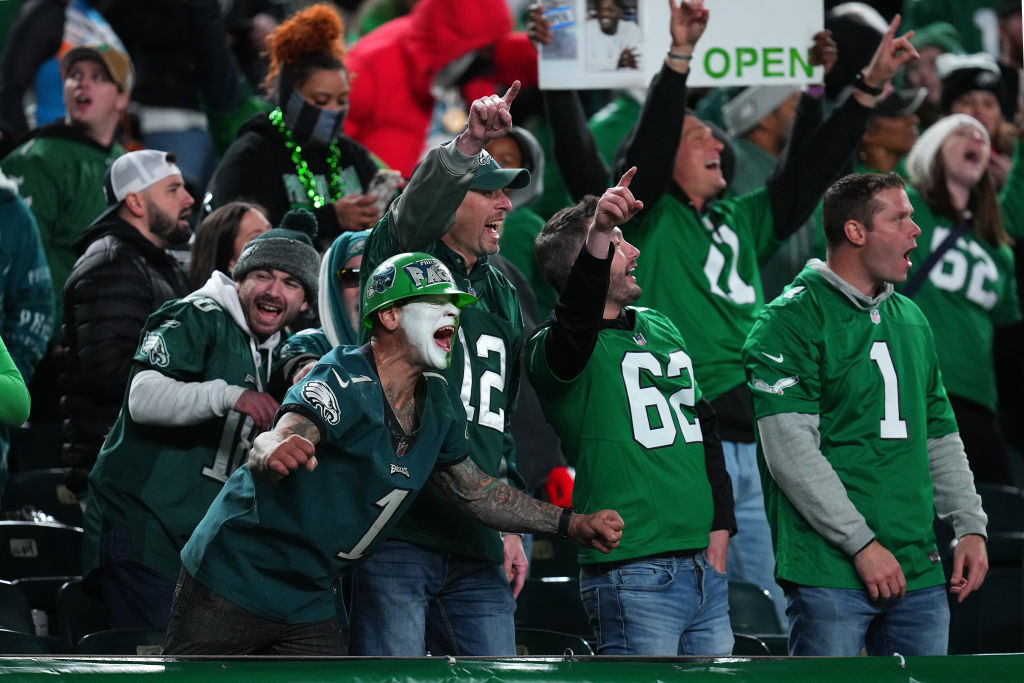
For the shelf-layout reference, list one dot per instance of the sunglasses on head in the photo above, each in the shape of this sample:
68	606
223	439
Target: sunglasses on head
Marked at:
348	277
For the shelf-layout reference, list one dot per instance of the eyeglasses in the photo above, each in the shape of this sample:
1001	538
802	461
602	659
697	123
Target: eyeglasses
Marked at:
348	277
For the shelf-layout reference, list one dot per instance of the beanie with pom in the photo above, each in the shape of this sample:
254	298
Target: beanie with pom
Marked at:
288	248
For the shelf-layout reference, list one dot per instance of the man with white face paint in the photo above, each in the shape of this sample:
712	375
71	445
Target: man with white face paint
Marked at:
354	442
443	583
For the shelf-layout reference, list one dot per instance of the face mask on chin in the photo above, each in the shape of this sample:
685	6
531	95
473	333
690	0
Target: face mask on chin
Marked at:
312	125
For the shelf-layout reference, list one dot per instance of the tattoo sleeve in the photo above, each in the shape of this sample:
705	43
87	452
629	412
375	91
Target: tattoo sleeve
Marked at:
493	502
294	423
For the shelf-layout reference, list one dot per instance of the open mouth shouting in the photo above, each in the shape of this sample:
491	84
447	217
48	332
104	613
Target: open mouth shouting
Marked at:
443	338
430	326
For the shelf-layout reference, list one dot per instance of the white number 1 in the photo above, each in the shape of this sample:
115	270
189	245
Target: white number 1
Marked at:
892	427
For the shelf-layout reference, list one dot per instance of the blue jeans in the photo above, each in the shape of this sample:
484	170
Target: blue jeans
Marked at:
751	557
839	622
408	600
660	605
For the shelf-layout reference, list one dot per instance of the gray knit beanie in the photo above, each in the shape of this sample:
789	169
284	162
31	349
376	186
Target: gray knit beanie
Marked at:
288	247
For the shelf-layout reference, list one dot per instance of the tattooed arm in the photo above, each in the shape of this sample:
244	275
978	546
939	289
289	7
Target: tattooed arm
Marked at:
290	445
498	505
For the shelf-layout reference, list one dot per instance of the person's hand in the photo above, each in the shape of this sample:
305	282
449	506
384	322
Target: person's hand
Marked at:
687	21
599	530
538	28
892	53
302	371
275	455
718	549
999	166
970	554
628	59
824	51
258	405
617	205
880	572
357	211
489	118
516	563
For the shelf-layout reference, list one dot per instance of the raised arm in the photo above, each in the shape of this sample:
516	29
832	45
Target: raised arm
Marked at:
651	145
502	507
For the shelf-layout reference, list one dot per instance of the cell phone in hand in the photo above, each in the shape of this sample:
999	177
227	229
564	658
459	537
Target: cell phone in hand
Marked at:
383	186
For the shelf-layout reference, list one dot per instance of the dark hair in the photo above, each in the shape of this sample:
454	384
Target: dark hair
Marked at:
307	42
214	244
852	197
982	203
561	239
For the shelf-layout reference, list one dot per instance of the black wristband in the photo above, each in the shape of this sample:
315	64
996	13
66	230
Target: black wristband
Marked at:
859	84
563	523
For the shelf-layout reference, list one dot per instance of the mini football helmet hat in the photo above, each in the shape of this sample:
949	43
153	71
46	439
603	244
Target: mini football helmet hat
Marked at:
406	276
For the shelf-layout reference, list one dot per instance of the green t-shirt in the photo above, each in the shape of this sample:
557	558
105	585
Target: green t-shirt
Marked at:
629	426
871	376
521	229
154	483
275	547
702	271
969	292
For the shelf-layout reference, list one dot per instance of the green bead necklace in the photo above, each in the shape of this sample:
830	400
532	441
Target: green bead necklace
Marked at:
302	168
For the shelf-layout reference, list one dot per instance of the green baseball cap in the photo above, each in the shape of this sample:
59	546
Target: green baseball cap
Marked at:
406	276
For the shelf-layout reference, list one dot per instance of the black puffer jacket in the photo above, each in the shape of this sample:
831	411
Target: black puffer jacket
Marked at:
120	279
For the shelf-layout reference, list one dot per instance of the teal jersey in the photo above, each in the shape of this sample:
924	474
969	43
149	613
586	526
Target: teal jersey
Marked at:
311	341
629	426
485	371
872	377
275	547
969	292
154	483
702	271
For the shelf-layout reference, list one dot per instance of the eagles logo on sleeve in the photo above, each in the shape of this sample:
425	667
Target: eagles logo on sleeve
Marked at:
320	396
153	346
380	282
777	388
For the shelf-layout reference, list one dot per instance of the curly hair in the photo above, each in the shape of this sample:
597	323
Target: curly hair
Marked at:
309	41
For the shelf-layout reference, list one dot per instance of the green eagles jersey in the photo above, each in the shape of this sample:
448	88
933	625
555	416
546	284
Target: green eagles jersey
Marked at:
60	175
702	272
629	426
152	484
871	376
275	547
312	341
971	290
484	370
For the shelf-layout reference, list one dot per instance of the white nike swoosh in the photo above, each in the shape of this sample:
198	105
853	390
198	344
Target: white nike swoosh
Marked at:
355	380
777	359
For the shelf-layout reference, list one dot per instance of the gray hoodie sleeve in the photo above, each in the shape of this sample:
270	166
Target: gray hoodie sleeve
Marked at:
792	449
158	400
956	501
425	211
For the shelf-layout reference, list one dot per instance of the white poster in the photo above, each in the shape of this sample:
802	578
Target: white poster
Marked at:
623	43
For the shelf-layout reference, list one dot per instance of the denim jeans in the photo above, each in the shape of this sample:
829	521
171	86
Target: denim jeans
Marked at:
839	622
408	600
751	557
661	605
134	595
204	623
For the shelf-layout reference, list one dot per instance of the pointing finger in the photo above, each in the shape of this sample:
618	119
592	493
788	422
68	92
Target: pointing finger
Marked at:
627	177
512	92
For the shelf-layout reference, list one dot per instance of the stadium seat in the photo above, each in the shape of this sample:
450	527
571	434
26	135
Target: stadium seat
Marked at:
748	645
551	556
41	592
539	641
17	643
751	610
43	489
553	604
124	641
78	614
34	549
15	611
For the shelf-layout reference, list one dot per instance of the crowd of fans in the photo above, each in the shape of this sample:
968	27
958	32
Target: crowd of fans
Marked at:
199	199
